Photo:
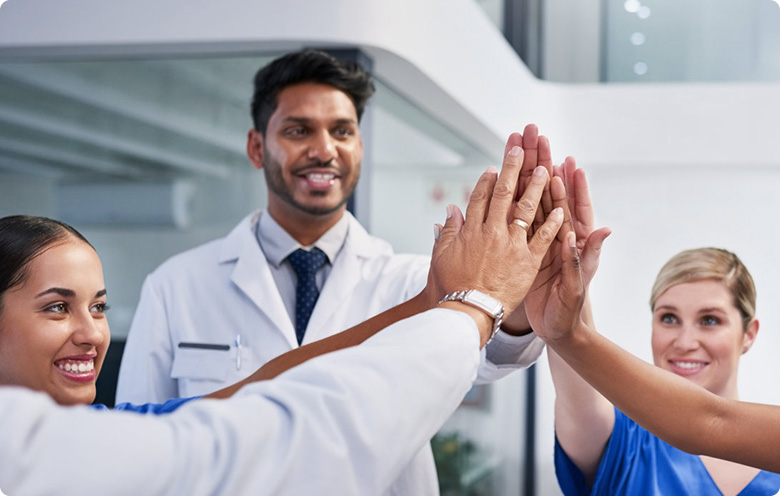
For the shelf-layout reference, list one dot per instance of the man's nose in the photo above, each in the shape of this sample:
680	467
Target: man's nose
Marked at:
322	147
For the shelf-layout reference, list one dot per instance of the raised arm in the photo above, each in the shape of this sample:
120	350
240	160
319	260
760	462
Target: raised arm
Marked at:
583	418
674	409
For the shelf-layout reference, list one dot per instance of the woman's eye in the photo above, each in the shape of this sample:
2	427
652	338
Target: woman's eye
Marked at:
668	318
56	308
100	308
709	320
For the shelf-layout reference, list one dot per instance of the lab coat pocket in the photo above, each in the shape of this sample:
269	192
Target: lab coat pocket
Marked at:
203	364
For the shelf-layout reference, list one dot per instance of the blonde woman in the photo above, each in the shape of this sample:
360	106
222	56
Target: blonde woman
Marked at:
688	400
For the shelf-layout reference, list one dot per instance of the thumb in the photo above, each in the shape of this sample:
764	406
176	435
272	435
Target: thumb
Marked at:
443	235
592	252
573	287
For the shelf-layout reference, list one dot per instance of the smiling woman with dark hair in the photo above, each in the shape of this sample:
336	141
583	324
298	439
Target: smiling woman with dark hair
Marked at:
53	329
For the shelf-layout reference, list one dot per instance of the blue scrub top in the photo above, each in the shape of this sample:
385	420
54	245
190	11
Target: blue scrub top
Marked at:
637	463
149	408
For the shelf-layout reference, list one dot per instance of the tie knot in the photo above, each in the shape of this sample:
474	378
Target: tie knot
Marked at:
307	262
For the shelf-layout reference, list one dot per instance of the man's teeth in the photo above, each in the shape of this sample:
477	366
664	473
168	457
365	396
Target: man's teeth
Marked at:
77	367
688	365
320	177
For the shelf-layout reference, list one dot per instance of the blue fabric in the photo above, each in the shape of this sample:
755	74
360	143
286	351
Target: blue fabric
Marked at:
305	264
636	462
149	408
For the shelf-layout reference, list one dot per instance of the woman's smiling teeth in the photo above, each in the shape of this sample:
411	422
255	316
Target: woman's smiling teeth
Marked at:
77	366
689	365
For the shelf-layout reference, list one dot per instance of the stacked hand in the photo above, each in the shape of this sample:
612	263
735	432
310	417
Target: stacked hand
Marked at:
554	306
487	251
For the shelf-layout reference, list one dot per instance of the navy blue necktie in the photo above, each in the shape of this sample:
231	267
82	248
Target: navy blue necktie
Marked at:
305	264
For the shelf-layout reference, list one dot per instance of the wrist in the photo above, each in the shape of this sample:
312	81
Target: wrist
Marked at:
514	330
579	334
483	321
482	302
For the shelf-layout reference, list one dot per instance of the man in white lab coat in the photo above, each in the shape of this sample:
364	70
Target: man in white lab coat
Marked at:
345	423
210	316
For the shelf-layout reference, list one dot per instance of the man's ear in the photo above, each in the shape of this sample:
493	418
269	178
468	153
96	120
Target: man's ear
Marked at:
254	148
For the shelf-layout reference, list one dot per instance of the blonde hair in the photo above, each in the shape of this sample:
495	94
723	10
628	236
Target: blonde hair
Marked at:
710	263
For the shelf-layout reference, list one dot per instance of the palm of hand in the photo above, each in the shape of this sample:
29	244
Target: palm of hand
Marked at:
553	308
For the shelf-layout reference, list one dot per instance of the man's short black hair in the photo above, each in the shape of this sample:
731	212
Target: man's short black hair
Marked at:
307	66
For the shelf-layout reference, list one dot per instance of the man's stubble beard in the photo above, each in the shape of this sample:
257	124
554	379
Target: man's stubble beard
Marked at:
274	180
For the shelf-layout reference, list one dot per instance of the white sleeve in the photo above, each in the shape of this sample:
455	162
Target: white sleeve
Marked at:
145	370
345	423
507	353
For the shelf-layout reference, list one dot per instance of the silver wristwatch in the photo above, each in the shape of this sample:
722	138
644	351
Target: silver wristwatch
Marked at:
486	303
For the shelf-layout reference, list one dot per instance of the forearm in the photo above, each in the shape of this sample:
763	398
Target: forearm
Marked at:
351	337
674	409
272	438
583	417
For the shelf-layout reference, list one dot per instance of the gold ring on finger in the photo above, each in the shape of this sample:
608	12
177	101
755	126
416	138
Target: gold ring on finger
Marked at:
520	222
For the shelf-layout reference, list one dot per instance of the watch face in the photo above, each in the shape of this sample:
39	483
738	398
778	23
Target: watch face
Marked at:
490	304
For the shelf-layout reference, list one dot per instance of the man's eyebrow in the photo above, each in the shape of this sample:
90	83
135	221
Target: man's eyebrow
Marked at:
307	120
65	293
299	120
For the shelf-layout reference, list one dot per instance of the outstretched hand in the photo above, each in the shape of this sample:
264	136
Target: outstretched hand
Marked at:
487	252
554	303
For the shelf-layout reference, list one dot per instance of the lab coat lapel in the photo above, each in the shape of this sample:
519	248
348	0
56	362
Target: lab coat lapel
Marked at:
345	275
252	276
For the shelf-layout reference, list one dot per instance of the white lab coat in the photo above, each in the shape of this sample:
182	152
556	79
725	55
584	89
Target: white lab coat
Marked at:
223	291
342	424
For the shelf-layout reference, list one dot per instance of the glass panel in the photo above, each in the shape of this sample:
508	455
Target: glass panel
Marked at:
698	40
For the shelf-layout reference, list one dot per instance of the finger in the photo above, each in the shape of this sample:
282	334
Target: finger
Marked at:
545	154
572	290
515	139
583	213
530	145
531	148
592	253
479	201
545	235
525	208
544	159
567	172
504	189
560	200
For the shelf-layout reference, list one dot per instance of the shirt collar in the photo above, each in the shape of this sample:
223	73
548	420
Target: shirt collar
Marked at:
277	244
